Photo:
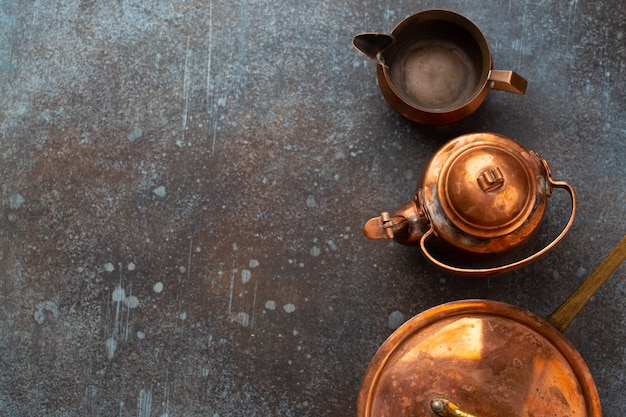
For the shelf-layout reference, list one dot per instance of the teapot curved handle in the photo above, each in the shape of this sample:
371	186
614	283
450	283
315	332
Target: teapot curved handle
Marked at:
479	272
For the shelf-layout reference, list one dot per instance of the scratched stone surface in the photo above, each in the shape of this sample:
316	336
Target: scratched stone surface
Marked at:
183	187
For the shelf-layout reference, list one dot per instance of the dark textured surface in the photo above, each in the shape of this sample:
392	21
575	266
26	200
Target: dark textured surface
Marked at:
184	186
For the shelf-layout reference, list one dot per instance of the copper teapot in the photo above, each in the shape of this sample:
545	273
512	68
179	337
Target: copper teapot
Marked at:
483	195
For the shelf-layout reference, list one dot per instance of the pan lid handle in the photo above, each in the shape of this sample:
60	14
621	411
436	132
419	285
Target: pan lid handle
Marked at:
443	407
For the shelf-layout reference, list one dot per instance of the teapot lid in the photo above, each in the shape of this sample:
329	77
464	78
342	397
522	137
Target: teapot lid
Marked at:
487	186
477	358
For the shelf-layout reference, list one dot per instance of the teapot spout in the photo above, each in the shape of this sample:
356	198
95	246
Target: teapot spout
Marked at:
384	226
406	226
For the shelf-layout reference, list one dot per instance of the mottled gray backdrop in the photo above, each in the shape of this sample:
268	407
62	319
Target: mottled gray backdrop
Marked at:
183	186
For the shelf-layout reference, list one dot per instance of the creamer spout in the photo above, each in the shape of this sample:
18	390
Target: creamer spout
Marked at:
372	45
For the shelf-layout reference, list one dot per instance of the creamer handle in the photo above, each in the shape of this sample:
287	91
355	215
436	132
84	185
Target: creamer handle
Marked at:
507	81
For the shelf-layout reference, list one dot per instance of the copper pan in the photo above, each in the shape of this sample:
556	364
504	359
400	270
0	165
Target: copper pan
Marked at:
486	359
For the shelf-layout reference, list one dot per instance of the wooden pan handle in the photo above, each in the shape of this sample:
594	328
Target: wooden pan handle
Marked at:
563	316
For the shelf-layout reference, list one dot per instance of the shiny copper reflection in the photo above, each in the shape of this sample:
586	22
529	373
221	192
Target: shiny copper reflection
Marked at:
489	358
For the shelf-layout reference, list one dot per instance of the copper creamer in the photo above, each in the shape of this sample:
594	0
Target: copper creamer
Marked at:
435	67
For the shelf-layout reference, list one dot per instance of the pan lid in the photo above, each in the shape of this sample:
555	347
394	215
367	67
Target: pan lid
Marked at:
477	358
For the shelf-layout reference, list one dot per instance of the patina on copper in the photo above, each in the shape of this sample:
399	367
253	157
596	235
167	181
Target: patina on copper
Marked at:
435	67
481	194
481	358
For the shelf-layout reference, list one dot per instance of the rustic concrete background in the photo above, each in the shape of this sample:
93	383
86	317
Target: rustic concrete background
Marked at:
184	185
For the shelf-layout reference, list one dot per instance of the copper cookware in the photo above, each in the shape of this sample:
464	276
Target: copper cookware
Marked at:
435	67
485	359
482	195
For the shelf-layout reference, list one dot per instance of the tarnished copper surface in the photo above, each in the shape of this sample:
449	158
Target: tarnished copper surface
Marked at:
487	188
471	219
436	67
482	194
488	358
